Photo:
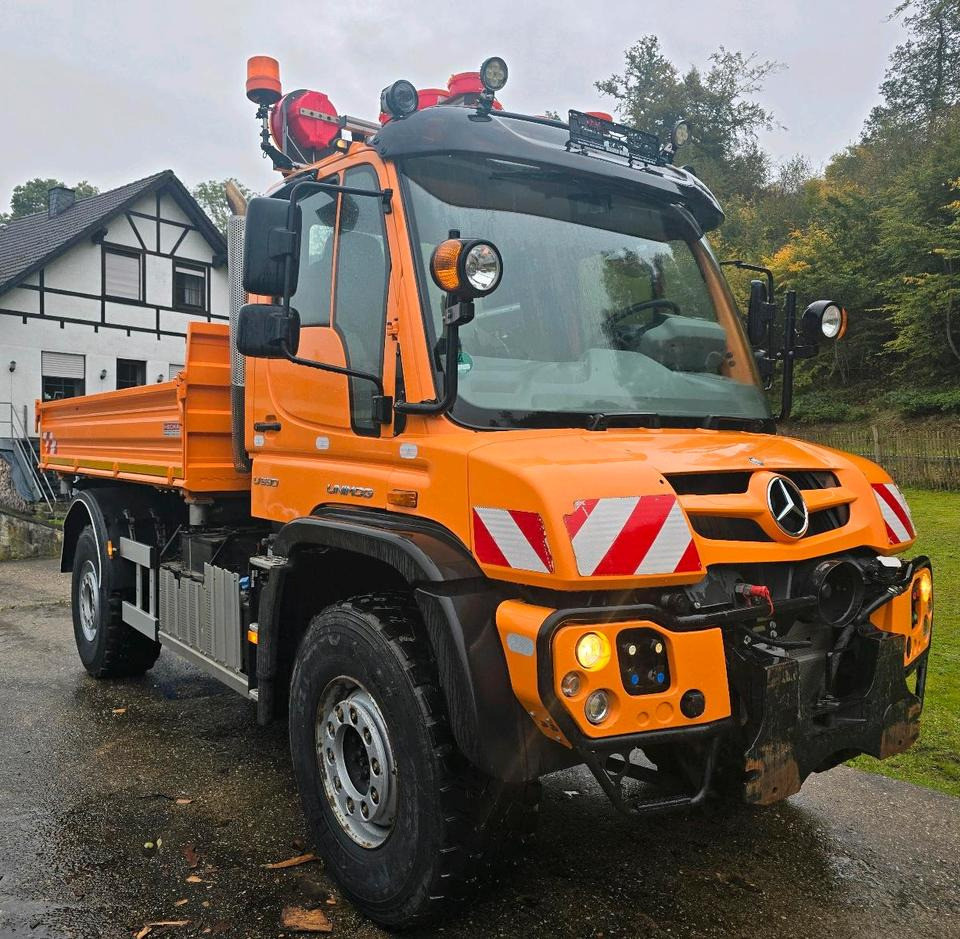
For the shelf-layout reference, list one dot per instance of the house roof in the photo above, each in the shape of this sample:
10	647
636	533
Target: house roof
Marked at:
29	243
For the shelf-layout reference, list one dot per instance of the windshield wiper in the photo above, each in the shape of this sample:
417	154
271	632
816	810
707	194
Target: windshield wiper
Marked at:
759	425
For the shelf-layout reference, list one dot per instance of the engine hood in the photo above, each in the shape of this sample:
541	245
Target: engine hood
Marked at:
634	508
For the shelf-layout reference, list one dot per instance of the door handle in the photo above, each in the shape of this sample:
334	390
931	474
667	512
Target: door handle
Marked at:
261	426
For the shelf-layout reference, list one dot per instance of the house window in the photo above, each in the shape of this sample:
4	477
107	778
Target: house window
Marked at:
174	370
62	375
131	373
189	287
121	274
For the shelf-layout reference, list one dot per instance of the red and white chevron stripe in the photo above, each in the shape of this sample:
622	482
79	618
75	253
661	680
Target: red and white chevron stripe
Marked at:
511	539
895	511
632	535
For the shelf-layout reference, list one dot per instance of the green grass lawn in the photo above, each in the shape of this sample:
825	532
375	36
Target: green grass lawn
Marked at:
935	759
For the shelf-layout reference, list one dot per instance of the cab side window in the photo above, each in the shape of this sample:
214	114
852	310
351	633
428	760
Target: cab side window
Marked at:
360	290
312	297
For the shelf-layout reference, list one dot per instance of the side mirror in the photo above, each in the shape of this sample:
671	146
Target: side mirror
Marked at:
267	331
823	319
267	244
758	313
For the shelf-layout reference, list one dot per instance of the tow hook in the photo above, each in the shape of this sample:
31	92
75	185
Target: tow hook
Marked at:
754	594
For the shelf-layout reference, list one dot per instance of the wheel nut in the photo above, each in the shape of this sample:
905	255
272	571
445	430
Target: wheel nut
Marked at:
330	728
364	811
375	767
349	804
353	715
337	784
367	738
374	796
339	712
329	754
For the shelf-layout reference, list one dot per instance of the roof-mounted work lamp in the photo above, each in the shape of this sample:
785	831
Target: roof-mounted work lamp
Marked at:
493	76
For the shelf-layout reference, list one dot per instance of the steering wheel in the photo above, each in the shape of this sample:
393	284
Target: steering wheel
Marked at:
618	315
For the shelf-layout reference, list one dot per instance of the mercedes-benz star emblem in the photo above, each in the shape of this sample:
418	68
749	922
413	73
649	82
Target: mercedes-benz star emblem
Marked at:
787	507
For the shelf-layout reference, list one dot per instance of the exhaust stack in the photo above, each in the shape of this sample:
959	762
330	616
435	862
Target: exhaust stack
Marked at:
238	296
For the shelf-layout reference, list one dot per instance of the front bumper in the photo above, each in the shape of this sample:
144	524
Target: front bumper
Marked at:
777	733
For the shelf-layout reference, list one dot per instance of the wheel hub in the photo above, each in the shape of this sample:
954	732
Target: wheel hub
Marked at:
88	602
356	762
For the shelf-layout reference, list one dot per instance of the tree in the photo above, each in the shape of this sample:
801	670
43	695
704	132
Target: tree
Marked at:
923	79
652	94
31	196
212	197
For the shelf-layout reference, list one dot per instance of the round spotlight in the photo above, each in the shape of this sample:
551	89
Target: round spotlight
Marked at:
570	684
597	707
593	651
493	73
680	136
466	268
824	319
400	99
483	267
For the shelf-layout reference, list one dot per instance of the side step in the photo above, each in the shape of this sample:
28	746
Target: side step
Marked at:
198	618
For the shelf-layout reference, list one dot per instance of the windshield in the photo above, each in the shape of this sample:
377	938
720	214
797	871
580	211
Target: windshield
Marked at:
608	304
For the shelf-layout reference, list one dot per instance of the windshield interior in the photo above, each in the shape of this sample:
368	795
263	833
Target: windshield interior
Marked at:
608	304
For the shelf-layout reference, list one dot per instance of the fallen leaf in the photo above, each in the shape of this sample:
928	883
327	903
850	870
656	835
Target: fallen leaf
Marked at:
303	920
571	793
190	855
184	801
149	845
181	902
119	710
292	862
194	879
161	922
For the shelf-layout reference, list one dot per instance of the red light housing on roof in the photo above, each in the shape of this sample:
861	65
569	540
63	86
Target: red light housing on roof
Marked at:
304	125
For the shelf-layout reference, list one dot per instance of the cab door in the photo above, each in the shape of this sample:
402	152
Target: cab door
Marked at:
315	437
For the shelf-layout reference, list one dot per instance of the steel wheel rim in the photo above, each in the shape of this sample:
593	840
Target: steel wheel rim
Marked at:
88	601
356	762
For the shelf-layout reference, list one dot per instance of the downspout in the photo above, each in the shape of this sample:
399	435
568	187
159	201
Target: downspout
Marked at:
238	297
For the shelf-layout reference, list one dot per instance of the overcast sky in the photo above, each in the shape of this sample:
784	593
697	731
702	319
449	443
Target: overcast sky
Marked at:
114	91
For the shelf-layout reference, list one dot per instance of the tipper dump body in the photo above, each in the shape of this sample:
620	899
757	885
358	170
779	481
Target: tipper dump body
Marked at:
173	434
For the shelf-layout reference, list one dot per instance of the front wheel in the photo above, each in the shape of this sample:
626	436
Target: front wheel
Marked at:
404	822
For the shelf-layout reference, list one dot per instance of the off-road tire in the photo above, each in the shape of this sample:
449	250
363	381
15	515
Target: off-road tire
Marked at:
116	650
451	819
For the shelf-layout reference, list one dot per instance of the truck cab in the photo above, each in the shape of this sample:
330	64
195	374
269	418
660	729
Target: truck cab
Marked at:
506	496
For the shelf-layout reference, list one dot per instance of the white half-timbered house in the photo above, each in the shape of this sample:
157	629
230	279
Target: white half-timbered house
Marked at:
96	294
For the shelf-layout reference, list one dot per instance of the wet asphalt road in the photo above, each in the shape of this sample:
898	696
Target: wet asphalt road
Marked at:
90	772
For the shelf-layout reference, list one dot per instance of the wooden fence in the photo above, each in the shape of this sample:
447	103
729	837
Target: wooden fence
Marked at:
927	459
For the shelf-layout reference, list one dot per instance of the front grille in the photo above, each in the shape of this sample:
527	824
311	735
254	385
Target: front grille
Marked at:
709	484
811	479
828	520
727	528
737	483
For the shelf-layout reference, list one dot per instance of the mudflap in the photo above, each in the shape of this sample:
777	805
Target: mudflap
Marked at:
784	741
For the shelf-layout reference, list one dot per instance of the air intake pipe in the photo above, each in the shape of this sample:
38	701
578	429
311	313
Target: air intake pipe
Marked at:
238	297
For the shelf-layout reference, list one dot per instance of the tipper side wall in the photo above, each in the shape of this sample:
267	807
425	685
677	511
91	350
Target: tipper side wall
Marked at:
175	434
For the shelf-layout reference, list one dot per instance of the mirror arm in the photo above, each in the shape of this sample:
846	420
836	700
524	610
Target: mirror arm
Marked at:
789	353
382	404
743	266
456	313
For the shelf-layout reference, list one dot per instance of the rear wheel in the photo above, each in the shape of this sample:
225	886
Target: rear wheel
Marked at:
108	647
404	822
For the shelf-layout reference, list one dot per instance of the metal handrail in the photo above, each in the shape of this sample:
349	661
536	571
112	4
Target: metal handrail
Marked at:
27	456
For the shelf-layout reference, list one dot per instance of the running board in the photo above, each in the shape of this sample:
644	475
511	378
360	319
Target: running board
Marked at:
234	680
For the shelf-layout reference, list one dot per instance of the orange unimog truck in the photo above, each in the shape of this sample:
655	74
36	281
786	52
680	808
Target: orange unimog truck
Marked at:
483	484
